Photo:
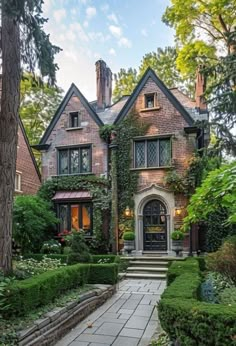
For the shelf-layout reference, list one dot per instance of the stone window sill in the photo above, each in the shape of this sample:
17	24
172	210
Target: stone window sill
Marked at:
150	109
74	128
151	168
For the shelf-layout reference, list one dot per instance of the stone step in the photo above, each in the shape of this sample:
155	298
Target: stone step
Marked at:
145	276
151	258
147	269
149	263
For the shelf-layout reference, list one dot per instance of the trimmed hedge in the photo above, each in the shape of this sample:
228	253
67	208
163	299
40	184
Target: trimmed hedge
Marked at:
107	258
103	273
26	295
63	258
188	320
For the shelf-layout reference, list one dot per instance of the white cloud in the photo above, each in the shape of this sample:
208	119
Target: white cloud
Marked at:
98	36
73	11
112	17
85	24
116	31
59	14
47	5
105	8
71	55
70	35
125	42
79	32
144	32
91	12
112	51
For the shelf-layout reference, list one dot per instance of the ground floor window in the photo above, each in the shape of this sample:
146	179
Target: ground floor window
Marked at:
75	216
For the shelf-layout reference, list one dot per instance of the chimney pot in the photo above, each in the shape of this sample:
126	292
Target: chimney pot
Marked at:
200	89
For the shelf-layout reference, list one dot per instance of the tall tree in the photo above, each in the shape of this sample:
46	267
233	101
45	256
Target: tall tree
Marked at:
209	22
125	80
163	62
38	103
33	47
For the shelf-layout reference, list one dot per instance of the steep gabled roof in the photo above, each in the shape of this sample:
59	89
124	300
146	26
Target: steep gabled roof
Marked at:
151	74
29	148
73	90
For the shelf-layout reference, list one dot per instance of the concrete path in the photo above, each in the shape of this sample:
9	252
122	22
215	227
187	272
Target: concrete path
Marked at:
129	318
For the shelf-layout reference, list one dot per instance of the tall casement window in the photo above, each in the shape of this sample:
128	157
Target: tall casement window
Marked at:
152	153
75	216
74	160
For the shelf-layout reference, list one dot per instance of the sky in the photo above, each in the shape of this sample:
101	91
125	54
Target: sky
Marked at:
120	32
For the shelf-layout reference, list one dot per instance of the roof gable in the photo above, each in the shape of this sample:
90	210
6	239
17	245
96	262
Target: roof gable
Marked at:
151	74
73	90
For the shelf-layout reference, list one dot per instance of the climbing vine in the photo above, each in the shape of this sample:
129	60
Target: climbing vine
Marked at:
99	189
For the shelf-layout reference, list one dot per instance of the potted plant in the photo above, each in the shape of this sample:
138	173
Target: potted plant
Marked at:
177	241
128	241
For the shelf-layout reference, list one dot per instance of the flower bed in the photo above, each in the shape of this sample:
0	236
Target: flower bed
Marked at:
188	320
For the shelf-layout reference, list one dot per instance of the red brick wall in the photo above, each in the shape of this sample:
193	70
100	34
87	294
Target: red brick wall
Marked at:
30	181
89	134
166	120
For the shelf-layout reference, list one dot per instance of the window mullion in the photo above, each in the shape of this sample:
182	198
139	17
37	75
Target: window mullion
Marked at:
158	153
146	154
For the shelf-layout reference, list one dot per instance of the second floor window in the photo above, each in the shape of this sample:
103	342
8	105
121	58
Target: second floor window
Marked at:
74	160
74	119
152	153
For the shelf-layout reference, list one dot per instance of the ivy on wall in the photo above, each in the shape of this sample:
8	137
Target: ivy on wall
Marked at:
99	189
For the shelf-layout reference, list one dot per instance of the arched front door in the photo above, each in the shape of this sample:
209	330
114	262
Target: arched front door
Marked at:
154	226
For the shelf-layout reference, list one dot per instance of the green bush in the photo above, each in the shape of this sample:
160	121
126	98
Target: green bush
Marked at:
189	321
33	223
26	295
100	259
103	274
79	249
39	257
75	257
228	296
177	235
51	246
128	236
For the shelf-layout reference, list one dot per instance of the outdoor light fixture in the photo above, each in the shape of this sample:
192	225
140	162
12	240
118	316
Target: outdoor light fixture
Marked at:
178	211
127	212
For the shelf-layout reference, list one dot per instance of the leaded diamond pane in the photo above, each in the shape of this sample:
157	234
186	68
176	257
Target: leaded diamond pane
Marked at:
74	161
63	162
85	160
164	152
139	154
152	153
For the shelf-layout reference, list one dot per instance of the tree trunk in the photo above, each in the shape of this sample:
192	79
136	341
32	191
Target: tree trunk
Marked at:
10	100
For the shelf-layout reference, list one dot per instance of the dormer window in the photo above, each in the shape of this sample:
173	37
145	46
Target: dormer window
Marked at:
74	120
150	101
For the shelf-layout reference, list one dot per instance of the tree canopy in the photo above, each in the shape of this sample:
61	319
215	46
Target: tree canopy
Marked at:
163	62
38	103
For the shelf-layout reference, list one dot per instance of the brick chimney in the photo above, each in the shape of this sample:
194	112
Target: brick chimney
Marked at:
200	88
104	84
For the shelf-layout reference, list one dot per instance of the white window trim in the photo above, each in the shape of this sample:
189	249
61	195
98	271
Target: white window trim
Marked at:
18	188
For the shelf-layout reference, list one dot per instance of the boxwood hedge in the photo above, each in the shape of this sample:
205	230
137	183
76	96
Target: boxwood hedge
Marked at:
188	320
26	295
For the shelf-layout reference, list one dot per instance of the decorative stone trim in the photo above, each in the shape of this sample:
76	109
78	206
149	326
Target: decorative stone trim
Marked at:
55	324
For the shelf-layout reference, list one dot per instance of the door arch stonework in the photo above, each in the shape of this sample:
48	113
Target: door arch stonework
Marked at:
154	192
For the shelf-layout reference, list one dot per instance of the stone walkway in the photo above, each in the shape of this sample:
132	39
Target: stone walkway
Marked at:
129	318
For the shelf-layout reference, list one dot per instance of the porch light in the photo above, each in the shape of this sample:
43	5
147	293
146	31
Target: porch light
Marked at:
178	211
128	212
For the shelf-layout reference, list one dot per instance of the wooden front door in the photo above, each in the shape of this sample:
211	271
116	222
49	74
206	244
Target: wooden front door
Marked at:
155	226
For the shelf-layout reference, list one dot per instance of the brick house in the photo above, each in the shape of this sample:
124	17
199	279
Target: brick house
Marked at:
28	178
71	145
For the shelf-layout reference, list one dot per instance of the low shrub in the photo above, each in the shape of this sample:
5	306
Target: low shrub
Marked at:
188	321
103	274
25	295
51	246
129	236
228	296
39	257
100	259
79	249
224	260
76	257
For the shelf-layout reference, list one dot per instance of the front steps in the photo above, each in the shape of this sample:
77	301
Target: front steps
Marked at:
148	267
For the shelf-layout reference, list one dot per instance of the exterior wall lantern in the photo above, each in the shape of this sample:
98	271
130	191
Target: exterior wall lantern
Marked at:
128	212
178	211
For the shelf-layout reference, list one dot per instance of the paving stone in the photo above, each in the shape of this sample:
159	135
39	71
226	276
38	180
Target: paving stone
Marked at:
136	296
79	343
112	315
98	344
126	341
137	322
111	329
96	338
144	310
91	330
126	311
132	333
101	320
124	316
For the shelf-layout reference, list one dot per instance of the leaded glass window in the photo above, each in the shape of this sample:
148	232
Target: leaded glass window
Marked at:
152	153
74	160
140	154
